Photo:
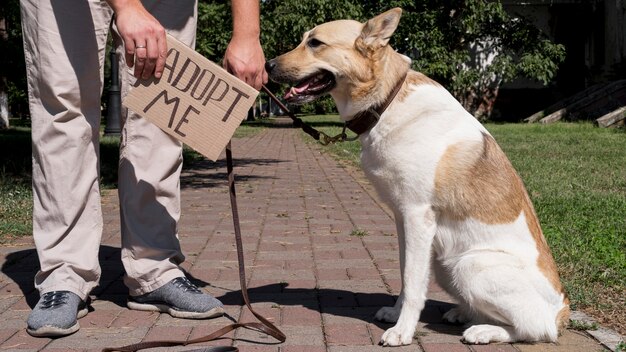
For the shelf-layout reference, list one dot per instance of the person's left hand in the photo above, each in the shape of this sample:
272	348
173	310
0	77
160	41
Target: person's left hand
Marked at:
244	58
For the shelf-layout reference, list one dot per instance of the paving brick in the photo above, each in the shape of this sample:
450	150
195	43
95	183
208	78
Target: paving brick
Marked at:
494	348
303	348
347	334
374	348
303	336
22	341
175	333
135	318
444	347
5	334
99	318
301	316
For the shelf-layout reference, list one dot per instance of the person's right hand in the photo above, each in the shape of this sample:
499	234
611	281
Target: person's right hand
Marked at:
144	39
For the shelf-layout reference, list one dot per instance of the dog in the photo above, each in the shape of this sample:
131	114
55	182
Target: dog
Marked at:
461	210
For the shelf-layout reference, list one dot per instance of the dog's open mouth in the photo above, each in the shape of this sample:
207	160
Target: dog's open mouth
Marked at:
311	88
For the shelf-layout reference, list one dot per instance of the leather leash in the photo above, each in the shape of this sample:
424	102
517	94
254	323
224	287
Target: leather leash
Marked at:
297	122
263	325
360	124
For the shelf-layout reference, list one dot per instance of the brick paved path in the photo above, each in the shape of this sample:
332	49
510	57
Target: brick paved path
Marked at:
317	282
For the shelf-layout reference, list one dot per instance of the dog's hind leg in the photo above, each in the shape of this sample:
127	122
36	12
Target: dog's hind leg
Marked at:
519	304
462	312
419	227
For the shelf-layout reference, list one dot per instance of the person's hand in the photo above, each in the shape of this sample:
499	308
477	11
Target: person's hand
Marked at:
244	58
144	40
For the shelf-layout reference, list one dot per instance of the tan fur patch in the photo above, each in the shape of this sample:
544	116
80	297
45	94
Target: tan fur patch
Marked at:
562	317
414	78
476	180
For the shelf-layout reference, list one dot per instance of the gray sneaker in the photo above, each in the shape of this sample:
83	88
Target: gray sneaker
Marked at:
179	298
56	314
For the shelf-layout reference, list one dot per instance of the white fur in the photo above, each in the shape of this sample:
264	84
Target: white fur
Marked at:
491	269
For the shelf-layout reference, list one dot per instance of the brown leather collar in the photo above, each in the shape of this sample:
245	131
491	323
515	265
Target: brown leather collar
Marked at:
366	120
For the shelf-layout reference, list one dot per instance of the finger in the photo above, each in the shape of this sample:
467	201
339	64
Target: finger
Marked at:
258	81
160	64
249	79
265	77
129	52
152	52
140	59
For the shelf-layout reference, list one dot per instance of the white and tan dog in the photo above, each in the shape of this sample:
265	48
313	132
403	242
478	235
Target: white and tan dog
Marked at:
461	210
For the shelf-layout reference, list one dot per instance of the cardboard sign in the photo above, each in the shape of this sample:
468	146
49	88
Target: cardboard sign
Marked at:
195	100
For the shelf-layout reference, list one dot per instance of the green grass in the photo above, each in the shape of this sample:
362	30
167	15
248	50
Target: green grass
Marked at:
582	325
576	176
358	233
15	187
15	173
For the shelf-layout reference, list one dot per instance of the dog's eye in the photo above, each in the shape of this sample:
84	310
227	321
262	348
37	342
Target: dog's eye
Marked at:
314	43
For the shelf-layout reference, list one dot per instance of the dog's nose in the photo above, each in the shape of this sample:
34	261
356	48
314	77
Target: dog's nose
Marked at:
269	66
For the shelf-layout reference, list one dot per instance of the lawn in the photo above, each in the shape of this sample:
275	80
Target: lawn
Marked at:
576	176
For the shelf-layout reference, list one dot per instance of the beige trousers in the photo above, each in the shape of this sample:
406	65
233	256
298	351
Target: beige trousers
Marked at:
64	45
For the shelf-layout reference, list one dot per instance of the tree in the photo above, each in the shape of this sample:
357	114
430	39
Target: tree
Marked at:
214	29
4	94
471	47
13	93
283	22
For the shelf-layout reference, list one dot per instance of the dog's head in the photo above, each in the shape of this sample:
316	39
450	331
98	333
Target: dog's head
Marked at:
350	60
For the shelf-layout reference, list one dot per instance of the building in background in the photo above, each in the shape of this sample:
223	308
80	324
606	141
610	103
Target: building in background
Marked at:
594	35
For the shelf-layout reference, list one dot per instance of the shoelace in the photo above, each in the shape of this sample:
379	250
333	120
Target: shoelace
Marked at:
54	299
186	285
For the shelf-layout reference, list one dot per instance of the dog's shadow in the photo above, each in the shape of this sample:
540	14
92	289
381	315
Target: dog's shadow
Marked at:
348	304
21	267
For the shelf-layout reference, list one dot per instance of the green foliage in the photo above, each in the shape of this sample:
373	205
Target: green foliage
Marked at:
448	40
582	325
322	106
471	47
284	22
214	29
358	233
12	66
15	184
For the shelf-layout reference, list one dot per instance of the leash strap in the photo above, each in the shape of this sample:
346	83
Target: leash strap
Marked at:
297	122
263	325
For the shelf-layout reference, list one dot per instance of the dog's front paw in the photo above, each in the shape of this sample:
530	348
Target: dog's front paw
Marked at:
388	314
397	336
456	315
483	334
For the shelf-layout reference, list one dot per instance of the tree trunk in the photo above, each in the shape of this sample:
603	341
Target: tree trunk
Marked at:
4	104
4	95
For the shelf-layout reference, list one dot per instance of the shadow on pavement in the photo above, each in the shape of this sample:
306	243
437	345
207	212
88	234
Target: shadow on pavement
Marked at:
21	266
357	305
202	174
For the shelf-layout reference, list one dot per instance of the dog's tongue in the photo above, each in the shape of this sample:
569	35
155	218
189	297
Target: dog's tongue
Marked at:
293	91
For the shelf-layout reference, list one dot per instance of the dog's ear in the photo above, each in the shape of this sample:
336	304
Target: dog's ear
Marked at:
377	31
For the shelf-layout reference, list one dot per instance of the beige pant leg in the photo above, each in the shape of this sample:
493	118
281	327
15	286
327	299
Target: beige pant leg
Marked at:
64	44
149	174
